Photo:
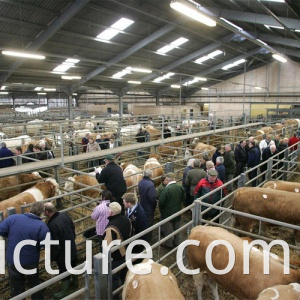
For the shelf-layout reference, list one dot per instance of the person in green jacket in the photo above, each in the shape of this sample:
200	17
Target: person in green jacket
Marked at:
169	202
230	165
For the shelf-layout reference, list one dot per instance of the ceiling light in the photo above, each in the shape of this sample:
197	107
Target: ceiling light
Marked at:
3	87
141	70
72	60
297	30
196	79
114	29
134	82
279	57
179	42
122	73
262	42
74	94
257	87
273	26
280	1
49	89
3	93
231	24
38	88
166	76
175	86
238	62
209	56
172	45
23	54
205	89
66	65
62	68
191	9
42	93
70	77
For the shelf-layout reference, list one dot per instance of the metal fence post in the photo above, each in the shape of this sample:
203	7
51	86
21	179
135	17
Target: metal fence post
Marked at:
242	180
285	164
100	280
196	213
10	211
269	169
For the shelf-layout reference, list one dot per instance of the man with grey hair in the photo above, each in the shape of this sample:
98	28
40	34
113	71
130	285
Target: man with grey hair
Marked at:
220	168
17	228
148	195
4	152
268	153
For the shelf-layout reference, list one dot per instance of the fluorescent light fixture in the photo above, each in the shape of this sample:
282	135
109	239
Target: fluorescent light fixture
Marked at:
172	45
175	86
114	29
38	88
204	89
141	70
191	9
74	94
196	79
262	42
23	54
257	87
3	87
209	56
134	82
231	24
49	89
65	66
161	78
279	57
42	93
273	26
62	68
122	73
279	1
238	62
72	61
3	93
70	77
297	30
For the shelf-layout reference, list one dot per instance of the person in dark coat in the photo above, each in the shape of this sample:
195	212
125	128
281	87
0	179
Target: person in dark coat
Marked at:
5	152
268	153
112	176
216	154
118	228
85	141
253	161
38	154
220	168
140	138
62	229
167	132
148	195
29	153
105	143
240	155
186	187
230	165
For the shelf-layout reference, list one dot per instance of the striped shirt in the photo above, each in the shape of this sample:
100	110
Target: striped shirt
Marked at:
100	215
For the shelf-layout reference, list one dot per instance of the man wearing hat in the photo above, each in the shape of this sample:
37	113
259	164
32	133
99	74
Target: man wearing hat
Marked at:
206	185
112	176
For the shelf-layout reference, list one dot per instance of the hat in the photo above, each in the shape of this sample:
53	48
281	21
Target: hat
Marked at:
115	207
212	172
109	157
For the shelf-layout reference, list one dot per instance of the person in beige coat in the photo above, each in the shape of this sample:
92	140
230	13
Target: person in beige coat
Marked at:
92	146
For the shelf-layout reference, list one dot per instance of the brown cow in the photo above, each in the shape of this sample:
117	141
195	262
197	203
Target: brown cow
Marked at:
154	133
277	127
201	149
151	286
261	132
265	202
281	292
157	170
13	184
132	175
242	286
165	151
41	191
288	186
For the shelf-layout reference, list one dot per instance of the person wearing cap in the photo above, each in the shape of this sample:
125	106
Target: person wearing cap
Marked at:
205	186
112	177
169	203
118	228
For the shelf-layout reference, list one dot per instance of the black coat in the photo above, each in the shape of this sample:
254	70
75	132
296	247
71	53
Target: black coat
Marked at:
240	154
112	176
62	229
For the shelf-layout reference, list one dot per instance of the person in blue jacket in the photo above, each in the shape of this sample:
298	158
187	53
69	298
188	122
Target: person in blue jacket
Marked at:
17	228
4	152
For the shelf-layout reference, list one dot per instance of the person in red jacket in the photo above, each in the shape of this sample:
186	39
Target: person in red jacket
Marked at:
206	185
294	140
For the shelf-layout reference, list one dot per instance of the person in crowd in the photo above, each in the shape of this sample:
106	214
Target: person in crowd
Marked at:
253	161
178	130
85	141
39	154
170	203
140	138
193	177
111	143
62	229
205	159
106	141
72	148
220	168
167	132
17	159
118	228
205	186
112	176
29	153
92	146
186	187
101	213
5	152
44	147
230	166
217	154
293	141
148	195
240	156
277	140
209	165
162	186
99	141
98	127
18	228
268	153
264	144
281	147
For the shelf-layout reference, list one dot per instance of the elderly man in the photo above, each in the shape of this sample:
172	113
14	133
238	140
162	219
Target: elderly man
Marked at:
62	229
4	152
18	228
268	153
112	176
170	202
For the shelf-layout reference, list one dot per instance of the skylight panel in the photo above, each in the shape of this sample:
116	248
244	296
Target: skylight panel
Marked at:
179	42
122	24
172	45
209	56
238	62
196	79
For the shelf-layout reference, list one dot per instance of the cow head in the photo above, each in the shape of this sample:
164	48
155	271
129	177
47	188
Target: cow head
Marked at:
124	166
37	174
55	185
69	185
154	155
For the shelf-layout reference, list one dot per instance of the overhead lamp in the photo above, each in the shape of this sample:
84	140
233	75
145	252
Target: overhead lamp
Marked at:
134	82
49	89
209	56
23	54
3	93
279	57
141	70
191	9
238	62
204	89
70	77
42	93
65	66
161	78
172	45
175	86
257	87
231	24
74	94
3	87
196	79
38	88
297	30
279	1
